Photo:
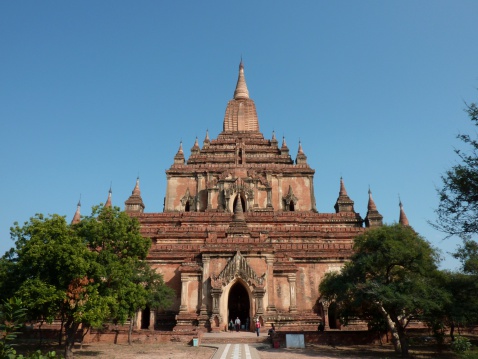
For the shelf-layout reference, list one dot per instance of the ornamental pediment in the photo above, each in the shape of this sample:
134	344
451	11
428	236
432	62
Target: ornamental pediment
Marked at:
237	267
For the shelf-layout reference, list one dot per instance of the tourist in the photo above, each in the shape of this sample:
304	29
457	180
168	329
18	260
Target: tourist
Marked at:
231	325
238	324
271	332
258	327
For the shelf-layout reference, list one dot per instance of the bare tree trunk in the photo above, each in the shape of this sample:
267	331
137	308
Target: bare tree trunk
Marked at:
130	330
403	340
452	331
61	331
393	330
71	328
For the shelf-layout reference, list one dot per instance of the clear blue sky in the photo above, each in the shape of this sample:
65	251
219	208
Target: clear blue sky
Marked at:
97	92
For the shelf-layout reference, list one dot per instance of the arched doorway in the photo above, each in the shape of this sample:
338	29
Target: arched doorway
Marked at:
238	304
243	203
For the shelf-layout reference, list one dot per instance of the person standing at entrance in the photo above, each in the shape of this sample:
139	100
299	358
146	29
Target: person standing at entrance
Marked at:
258	327
238	324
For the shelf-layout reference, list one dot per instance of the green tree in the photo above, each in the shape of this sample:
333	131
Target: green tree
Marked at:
121	250
85	273
392	274
461	306
458	198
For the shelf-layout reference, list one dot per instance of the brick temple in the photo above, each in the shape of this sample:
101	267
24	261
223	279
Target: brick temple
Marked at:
240	235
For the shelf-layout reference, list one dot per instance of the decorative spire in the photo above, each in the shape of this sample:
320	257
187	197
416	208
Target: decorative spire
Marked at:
179	157
136	190
241	114
284	144
342	191
274	141
371	203
241	91
206	141
108	201
300	150
373	218
238	212
77	217
284	150
195	149
343	203
301	158
135	203
403	220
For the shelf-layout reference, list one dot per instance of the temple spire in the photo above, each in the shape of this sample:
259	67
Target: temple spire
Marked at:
195	149
274	141
179	157
77	217
135	203
241	114
284	150
108	201
403	220
371	203
373	218
301	157
136	190
241	91
343	203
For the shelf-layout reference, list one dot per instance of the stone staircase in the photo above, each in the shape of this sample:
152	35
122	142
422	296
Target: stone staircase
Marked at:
234	338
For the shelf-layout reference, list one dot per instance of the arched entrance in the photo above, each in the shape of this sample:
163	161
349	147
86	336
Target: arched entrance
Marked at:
238	304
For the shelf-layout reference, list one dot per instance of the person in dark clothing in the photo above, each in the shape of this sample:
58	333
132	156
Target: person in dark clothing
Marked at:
238	324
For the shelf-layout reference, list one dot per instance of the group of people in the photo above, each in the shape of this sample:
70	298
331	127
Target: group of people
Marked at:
237	326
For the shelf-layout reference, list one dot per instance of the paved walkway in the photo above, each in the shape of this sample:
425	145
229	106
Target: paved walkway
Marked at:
236	351
246	345
234	345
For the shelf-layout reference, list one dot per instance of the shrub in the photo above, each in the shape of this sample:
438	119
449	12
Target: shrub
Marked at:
461	344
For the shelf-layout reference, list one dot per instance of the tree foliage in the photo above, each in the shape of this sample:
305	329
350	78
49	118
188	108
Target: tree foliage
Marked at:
86	273
392	274
458	198
461	307
12	319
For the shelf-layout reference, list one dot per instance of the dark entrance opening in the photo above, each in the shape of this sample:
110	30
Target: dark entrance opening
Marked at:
187	207
291	206
243	203
145	315
334	322
238	304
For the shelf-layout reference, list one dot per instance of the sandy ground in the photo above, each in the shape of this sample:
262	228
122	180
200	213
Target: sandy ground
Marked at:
180	351
144	351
